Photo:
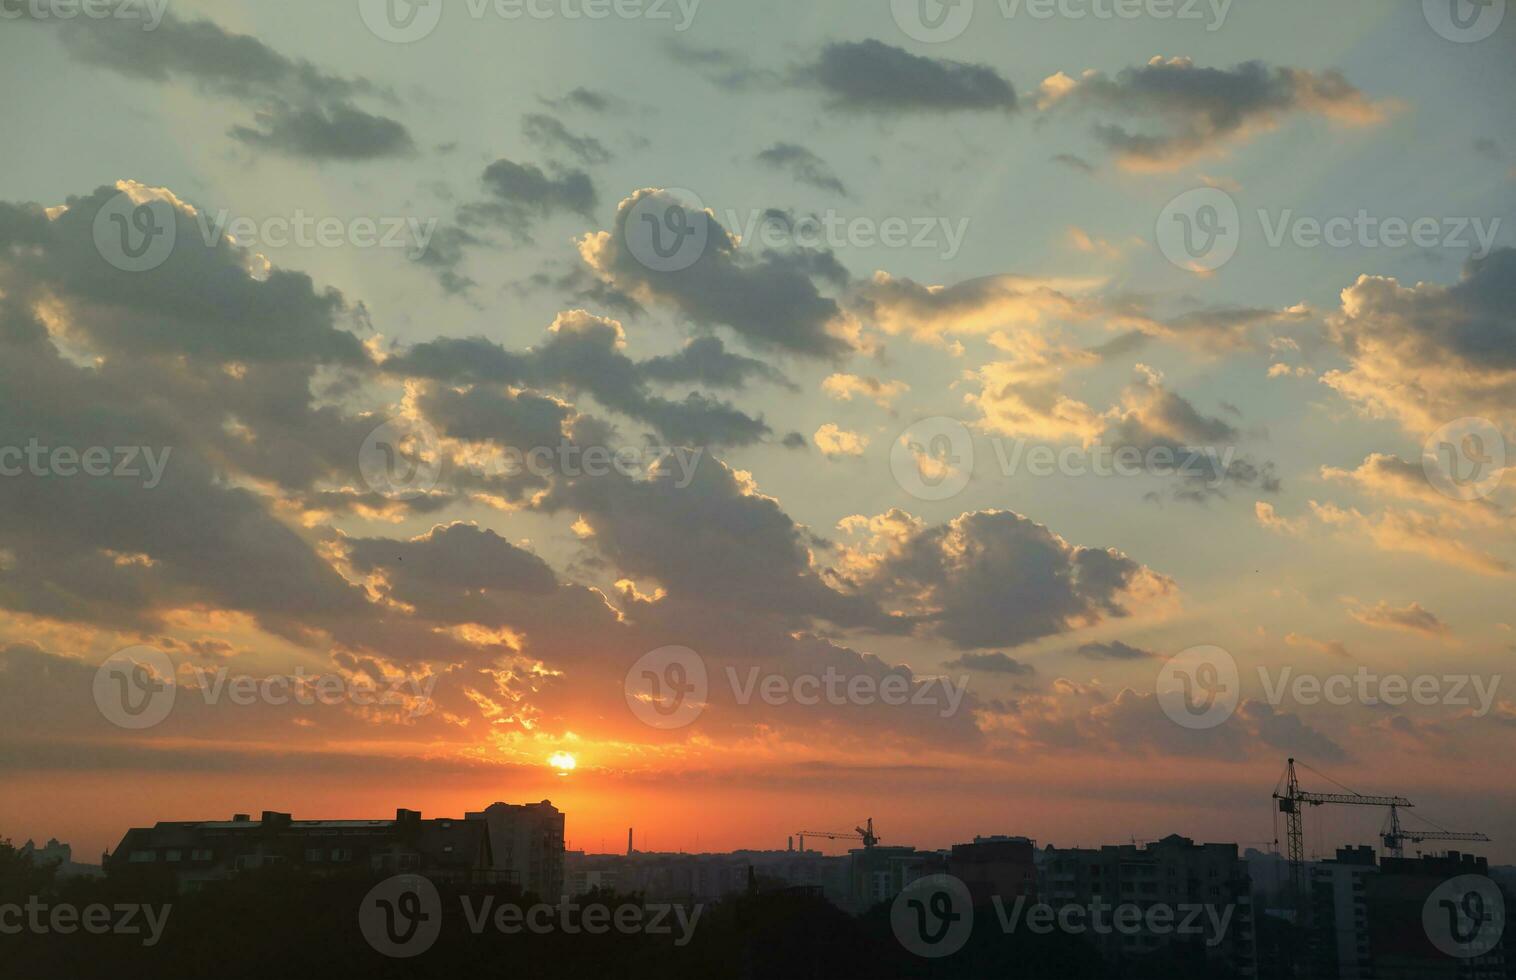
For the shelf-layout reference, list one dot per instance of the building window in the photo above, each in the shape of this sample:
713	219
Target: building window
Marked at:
202	854
313	855
142	857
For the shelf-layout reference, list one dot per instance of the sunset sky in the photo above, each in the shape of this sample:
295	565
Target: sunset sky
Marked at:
925	253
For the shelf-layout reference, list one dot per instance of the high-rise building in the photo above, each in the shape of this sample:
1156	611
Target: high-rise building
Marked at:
1174	872
995	866
527	843
1340	914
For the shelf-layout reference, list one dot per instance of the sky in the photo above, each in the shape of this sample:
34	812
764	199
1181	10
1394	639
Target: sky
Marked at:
730	419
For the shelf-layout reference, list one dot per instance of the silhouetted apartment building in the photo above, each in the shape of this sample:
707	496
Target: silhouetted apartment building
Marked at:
991	866
1174	872
1399	944
1340	915
198	851
526	841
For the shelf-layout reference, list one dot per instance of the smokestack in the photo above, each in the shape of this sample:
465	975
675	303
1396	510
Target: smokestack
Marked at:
628	842
792	843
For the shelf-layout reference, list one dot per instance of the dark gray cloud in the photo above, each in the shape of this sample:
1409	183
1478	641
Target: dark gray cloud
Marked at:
300	110
769	299
583	353
521	194
802	165
1114	650
550	134
1197	110
996	578
871	75
992	663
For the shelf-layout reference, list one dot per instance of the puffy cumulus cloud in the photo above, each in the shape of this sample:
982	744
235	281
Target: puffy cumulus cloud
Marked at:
871	75
835	442
299	109
584	354
1412	618
1075	717
708	534
1024	396
1200	111
844	387
1427	354
522	194
770	300
802	165
994	578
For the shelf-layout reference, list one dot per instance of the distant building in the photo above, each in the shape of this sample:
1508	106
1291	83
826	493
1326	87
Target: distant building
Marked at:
995	866
198	851
1172	872
706	877
526	841
879	873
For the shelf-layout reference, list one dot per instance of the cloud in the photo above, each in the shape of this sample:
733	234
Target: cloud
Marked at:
803	166
991	663
995	578
550	134
299	109
770	300
583	353
834	442
1426	354
843	387
1114	650
1198	111
873	76
521	194
1412	618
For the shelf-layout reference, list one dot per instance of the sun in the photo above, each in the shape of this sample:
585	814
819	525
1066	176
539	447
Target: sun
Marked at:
561	761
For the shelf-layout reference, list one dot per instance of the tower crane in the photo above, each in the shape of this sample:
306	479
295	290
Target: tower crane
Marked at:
1293	800
864	833
1396	836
